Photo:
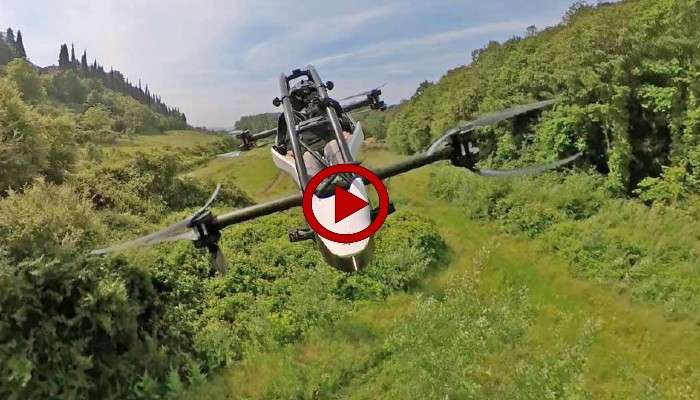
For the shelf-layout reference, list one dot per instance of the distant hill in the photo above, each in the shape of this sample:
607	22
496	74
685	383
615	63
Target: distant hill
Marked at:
12	46
257	122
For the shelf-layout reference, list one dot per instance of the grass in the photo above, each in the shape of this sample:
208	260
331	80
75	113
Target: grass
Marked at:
503	319
254	172
185	139
168	142
562	337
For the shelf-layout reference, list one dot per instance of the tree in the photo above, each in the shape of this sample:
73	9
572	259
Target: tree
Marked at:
6	53
96	119
19	45
575	9
73	61
10	36
63	60
531	31
83	61
421	88
26	79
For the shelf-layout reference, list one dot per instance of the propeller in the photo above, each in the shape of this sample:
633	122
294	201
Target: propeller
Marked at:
469	151
365	93
531	170
193	229
486	120
175	232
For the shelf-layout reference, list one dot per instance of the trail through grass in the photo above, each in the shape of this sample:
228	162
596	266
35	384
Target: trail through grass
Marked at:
502	319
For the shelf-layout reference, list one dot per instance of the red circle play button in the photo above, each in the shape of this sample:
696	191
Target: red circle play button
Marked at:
346	204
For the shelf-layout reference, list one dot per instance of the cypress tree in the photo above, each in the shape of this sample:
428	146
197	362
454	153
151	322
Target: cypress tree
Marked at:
19	45
63	60
10	36
73	61
83	61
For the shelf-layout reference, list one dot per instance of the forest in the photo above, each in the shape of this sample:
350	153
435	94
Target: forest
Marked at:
582	283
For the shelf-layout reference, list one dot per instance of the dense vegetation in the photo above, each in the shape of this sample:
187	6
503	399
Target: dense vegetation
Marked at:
152	323
258	122
46	116
76	176
650	253
79	174
627	77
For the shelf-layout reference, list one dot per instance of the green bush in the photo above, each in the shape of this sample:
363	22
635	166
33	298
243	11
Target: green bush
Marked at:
150	185
26	79
22	148
47	220
648	252
628	93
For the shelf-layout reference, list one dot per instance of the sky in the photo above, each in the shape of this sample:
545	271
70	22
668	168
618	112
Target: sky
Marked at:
219	59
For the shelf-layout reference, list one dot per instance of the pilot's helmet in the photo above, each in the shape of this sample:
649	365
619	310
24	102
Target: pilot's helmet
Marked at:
299	92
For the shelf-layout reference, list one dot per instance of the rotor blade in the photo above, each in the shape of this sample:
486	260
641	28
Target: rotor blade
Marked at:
209	201
178	231
218	261
532	170
365	93
489	119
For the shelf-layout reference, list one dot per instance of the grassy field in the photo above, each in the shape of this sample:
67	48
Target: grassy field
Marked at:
171	142
253	171
503	319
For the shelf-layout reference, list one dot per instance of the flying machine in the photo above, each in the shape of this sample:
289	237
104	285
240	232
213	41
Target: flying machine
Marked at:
307	109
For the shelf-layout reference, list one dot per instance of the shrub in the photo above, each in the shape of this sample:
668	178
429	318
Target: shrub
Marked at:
29	228
26	79
648	252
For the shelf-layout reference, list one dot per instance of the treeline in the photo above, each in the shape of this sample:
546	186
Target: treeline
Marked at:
47	118
626	75
257	122
11	46
113	80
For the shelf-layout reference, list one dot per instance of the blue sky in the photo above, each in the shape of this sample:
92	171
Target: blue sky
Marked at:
217	60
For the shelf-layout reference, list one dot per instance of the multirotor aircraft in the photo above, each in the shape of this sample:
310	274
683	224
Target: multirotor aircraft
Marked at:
306	110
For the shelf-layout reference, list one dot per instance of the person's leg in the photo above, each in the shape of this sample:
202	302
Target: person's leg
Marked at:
332	153
313	166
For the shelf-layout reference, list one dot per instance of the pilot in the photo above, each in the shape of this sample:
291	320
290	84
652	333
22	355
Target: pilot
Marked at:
320	139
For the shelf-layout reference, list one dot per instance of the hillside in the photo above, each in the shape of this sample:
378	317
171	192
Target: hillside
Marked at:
627	77
71	73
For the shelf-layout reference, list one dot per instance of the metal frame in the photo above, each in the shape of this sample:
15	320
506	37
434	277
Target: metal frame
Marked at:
332	115
292	131
293	128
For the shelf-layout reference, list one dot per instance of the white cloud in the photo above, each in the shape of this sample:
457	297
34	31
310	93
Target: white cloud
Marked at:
392	47
219	59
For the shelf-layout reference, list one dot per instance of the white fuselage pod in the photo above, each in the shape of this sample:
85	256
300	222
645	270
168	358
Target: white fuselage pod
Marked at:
347	257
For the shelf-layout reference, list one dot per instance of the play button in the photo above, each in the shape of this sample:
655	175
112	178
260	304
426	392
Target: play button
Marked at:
335	210
346	204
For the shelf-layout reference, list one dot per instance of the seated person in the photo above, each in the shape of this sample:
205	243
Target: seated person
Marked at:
319	139
331	153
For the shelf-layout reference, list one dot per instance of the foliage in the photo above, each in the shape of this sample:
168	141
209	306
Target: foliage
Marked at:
26	79
31	144
627	92
258	122
648	252
96	123
150	185
147	325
